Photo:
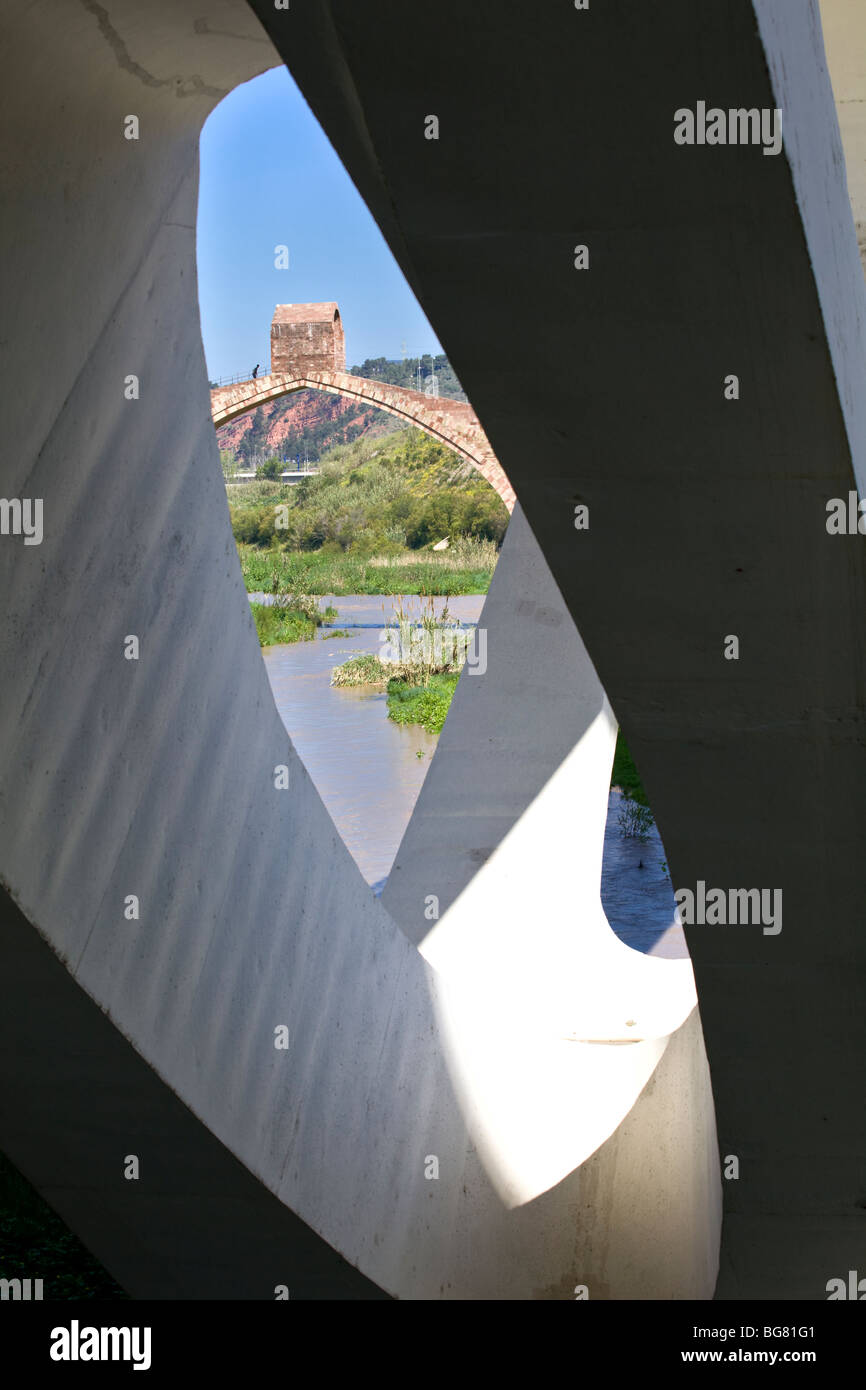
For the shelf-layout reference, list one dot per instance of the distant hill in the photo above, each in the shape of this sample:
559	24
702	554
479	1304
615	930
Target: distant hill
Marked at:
309	423
414	373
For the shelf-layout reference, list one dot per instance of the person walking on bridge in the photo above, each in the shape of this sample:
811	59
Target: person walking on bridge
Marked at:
255	371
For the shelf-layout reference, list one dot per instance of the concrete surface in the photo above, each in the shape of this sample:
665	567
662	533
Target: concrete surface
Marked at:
706	515
562	1159
844	27
134	777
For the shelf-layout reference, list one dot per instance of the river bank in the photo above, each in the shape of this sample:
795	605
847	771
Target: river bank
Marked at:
467	569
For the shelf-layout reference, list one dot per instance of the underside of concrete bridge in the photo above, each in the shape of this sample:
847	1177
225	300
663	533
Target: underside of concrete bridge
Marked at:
581	1101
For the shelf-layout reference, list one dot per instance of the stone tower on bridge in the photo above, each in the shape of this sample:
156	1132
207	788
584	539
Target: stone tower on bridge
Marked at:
307	337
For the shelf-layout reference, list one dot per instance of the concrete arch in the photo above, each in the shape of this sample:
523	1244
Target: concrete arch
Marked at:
450	422
562	1159
137	778
737	258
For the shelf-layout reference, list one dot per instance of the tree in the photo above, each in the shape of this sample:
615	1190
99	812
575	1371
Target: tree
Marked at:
229	463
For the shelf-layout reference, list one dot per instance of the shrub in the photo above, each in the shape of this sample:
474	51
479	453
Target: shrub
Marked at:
634	820
366	669
425	705
291	618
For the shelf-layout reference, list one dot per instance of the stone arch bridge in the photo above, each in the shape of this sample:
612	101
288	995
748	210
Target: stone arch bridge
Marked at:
453	423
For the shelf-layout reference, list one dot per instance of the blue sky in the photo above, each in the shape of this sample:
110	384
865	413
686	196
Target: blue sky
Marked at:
268	177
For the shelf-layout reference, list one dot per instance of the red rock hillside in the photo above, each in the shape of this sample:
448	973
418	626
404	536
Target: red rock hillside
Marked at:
311	420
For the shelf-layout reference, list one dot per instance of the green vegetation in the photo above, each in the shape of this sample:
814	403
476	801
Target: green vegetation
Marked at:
274	571
365	669
379	502
408	370
292	618
35	1244
229	463
421	676
426	705
421	671
634	821
625	774
635	818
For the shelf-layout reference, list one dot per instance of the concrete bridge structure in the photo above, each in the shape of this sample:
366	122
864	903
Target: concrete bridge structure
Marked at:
483	1095
307	360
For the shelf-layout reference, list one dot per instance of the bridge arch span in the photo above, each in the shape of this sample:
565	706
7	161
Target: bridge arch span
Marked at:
453	423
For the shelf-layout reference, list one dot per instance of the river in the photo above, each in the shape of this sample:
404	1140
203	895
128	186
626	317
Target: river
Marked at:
369	770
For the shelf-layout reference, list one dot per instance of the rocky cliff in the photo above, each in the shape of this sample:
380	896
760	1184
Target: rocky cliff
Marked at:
309	423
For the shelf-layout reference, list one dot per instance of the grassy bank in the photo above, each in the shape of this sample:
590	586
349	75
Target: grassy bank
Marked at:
467	571
625	775
296	619
367	523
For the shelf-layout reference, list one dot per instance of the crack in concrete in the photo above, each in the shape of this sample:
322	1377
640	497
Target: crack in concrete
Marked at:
185	86
202	26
